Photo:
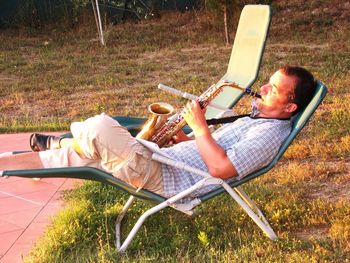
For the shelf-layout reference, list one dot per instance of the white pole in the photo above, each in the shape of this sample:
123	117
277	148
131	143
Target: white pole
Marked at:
99	25
188	96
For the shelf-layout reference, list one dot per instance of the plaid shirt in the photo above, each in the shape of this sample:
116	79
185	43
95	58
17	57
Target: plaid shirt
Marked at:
249	143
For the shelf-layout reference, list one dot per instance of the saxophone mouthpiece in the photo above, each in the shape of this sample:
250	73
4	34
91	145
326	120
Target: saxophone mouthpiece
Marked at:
252	93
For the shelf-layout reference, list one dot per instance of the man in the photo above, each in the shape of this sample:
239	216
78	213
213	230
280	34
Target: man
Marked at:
234	150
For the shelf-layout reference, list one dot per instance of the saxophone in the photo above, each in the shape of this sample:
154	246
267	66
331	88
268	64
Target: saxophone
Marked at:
167	130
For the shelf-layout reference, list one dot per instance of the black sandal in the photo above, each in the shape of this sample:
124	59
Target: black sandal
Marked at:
41	142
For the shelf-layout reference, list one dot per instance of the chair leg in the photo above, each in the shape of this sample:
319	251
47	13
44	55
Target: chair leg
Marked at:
139	223
169	202
154	210
119	220
251	203
248	205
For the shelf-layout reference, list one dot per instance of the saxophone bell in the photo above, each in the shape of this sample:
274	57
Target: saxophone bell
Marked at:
160	112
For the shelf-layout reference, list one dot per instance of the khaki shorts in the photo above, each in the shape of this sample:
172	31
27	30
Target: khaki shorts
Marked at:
109	146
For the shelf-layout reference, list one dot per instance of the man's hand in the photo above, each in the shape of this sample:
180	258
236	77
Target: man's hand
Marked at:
195	118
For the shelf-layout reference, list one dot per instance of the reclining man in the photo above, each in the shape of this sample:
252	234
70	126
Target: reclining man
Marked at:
234	150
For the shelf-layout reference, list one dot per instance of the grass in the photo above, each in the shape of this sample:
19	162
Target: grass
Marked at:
53	77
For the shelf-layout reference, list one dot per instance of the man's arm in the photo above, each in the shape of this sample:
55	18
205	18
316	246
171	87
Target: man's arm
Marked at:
219	165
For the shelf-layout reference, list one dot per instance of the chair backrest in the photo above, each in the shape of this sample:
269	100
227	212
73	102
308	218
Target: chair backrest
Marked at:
247	50
299	121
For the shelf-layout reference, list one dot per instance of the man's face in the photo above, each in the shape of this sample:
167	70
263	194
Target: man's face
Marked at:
276	97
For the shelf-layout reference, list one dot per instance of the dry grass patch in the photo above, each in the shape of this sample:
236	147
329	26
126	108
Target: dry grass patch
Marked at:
315	233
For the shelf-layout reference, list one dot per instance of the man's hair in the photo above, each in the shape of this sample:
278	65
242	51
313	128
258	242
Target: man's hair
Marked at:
305	85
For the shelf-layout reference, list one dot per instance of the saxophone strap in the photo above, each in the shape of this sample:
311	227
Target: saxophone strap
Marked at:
226	119
234	118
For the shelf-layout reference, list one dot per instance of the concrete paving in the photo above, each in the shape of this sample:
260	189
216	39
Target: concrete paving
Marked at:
26	205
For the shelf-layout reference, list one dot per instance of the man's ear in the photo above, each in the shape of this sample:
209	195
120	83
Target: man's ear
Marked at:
291	107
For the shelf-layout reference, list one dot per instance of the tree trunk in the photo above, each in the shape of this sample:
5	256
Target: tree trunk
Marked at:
227	36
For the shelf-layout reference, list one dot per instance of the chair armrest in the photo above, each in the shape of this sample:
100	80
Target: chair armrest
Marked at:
180	165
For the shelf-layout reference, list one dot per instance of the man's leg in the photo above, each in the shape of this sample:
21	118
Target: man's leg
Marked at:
121	155
21	161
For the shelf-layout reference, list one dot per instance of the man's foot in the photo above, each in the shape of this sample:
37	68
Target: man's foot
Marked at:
40	142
